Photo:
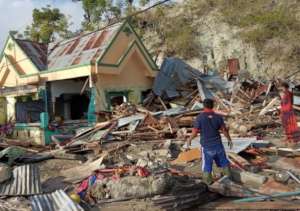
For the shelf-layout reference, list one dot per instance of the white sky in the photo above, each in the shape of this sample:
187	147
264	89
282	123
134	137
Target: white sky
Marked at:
17	14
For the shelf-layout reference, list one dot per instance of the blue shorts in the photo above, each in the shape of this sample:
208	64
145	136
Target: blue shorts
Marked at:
216	154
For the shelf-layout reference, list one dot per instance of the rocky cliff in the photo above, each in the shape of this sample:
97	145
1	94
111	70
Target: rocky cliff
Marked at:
263	35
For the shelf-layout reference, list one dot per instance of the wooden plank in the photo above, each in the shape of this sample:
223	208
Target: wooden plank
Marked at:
240	160
162	102
271	104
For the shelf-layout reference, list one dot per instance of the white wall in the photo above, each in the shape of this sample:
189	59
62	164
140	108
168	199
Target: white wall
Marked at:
65	87
11	101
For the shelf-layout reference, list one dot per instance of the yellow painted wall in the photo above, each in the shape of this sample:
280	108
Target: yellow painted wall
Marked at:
8	75
132	77
16	52
118	48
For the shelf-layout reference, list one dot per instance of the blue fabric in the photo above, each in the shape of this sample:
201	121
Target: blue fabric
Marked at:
217	154
209	124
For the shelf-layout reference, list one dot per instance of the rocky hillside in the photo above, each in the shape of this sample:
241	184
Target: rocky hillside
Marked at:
263	34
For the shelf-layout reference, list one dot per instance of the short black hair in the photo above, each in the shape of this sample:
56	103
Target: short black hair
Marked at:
208	103
285	85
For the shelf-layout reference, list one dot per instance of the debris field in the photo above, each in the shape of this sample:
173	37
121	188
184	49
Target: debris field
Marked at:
137	158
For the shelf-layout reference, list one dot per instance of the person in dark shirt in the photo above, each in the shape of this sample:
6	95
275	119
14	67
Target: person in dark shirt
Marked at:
209	125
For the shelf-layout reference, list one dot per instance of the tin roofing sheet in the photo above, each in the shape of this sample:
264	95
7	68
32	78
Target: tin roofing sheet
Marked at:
25	181
81	49
37	52
56	201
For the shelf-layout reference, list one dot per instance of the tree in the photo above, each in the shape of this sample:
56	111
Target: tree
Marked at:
47	23
98	12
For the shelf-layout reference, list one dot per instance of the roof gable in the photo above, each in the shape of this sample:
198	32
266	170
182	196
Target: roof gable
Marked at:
37	52
127	29
17	58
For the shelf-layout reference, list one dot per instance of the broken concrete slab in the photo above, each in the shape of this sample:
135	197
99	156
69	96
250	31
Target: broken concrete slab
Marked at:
281	176
139	187
226	187
248	178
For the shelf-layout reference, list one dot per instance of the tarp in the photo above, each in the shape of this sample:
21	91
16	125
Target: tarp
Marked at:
175	73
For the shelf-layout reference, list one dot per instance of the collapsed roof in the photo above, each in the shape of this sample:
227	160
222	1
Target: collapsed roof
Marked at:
175	74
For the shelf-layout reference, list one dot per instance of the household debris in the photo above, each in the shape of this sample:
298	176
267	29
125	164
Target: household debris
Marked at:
140	151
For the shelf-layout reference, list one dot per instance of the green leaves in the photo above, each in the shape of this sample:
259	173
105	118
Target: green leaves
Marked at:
47	22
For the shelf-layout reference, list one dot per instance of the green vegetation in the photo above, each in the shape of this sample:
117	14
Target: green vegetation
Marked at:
46	23
99	12
262	20
175	33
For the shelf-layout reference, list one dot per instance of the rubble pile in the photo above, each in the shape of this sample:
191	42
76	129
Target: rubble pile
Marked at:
140	151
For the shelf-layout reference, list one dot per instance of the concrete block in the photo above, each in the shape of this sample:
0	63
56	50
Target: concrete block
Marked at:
248	178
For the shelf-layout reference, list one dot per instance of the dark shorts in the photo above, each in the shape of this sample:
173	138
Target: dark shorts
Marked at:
216	154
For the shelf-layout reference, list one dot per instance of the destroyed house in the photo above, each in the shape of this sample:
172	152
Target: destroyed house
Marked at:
73	79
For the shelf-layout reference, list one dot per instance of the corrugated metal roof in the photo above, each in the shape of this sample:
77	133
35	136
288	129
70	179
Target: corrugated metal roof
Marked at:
37	52
75	51
25	181
56	201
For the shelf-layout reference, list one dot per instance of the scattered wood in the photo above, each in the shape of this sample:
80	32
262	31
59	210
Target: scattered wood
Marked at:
271	105
162	102
78	173
240	160
293	176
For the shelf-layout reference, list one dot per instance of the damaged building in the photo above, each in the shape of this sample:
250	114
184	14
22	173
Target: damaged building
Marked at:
74	79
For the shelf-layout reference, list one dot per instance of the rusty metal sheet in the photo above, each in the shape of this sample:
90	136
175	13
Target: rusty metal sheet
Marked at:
82	49
25	181
56	201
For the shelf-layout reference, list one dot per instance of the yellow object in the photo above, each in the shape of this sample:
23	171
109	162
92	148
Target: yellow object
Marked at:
75	197
190	155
